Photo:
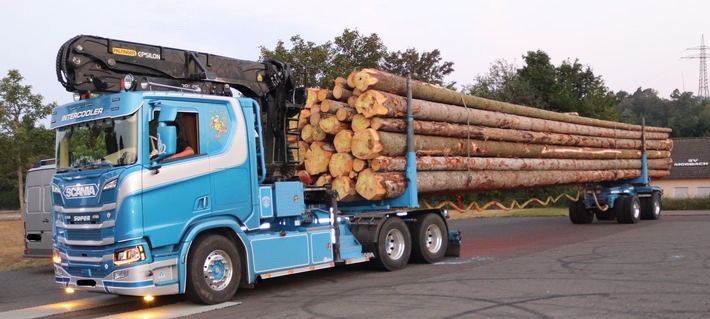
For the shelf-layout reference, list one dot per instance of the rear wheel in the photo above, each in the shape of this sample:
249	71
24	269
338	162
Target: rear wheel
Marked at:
651	207
630	210
429	242
394	245
213	270
579	214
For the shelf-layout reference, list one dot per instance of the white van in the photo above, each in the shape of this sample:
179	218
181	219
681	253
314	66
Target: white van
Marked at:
37	216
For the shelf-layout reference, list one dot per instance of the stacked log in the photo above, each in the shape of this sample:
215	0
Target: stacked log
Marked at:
354	138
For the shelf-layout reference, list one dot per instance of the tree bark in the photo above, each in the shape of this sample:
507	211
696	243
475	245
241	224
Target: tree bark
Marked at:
325	94
375	103
340	93
376	186
371	79
330	106
496	134
368	144
459	163
345	114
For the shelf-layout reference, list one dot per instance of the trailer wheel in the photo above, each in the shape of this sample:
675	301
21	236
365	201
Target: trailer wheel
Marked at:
393	245
213	270
429	242
630	210
651	207
619	209
578	214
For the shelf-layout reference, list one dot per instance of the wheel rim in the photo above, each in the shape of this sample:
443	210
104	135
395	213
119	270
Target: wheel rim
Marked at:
656	208
217	270
636	210
395	244
434	238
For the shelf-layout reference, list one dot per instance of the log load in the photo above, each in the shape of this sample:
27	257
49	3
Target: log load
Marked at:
463	143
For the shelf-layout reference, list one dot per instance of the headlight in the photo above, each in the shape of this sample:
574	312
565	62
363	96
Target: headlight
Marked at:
56	257
110	184
55	189
128	255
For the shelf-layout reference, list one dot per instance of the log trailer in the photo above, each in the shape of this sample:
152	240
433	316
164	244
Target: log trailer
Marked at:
627	201
130	218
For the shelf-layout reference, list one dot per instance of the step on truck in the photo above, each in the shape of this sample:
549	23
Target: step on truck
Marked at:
168	184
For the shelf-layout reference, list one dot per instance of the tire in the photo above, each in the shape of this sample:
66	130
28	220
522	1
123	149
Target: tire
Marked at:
619	209
429	239
631	210
213	270
578	214
394	245
651	207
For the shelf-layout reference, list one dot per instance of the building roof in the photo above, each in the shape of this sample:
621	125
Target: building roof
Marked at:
691	158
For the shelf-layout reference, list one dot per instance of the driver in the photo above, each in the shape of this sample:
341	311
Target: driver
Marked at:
181	147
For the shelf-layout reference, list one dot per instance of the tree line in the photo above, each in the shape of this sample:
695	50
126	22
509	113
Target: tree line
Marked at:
567	87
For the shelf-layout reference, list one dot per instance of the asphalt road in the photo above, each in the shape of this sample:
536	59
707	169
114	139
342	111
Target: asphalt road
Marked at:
509	268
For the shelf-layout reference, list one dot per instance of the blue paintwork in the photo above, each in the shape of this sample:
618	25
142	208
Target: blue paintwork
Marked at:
164	208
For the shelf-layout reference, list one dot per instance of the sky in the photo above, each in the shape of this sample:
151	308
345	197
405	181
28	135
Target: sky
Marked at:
631	44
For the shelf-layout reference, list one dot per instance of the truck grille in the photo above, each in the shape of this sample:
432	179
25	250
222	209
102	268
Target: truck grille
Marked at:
57	198
108	196
93	273
84	234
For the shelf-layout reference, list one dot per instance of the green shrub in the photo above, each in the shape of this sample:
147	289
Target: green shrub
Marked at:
693	203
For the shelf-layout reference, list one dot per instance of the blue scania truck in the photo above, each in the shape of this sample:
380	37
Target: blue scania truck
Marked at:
131	217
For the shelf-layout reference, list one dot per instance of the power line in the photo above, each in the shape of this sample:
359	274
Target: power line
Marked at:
703	78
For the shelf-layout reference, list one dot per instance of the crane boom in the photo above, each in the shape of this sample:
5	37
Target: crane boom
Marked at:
91	64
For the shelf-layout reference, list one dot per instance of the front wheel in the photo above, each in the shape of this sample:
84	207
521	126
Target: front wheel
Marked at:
213	270
429	242
393	245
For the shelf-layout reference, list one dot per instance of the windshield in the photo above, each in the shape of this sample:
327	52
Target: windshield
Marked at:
100	143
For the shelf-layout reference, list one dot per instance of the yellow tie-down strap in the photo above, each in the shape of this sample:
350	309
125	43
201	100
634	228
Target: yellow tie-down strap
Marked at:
514	205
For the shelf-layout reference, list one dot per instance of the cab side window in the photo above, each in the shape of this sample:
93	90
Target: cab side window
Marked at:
187	127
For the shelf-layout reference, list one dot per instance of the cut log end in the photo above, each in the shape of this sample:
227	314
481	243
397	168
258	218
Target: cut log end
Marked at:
366	144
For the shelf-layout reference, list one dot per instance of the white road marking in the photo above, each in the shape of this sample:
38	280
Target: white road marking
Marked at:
170	311
63	307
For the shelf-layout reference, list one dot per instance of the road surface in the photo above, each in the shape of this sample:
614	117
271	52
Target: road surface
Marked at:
509	268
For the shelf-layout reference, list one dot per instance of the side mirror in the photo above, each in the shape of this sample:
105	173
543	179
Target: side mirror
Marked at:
166	134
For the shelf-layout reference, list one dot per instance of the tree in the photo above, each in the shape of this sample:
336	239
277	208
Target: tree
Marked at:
325	62
308	58
570	87
425	66
20	139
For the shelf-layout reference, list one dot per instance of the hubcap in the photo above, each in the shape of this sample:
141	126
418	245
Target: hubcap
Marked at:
434	238
217	270
656	208
395	244
636	210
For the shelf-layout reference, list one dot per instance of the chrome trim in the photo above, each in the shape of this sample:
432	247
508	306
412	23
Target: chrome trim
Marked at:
105	241
106	224
91	259
60	209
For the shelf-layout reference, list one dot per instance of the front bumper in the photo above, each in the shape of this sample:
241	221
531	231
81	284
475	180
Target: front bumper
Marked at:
157	278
